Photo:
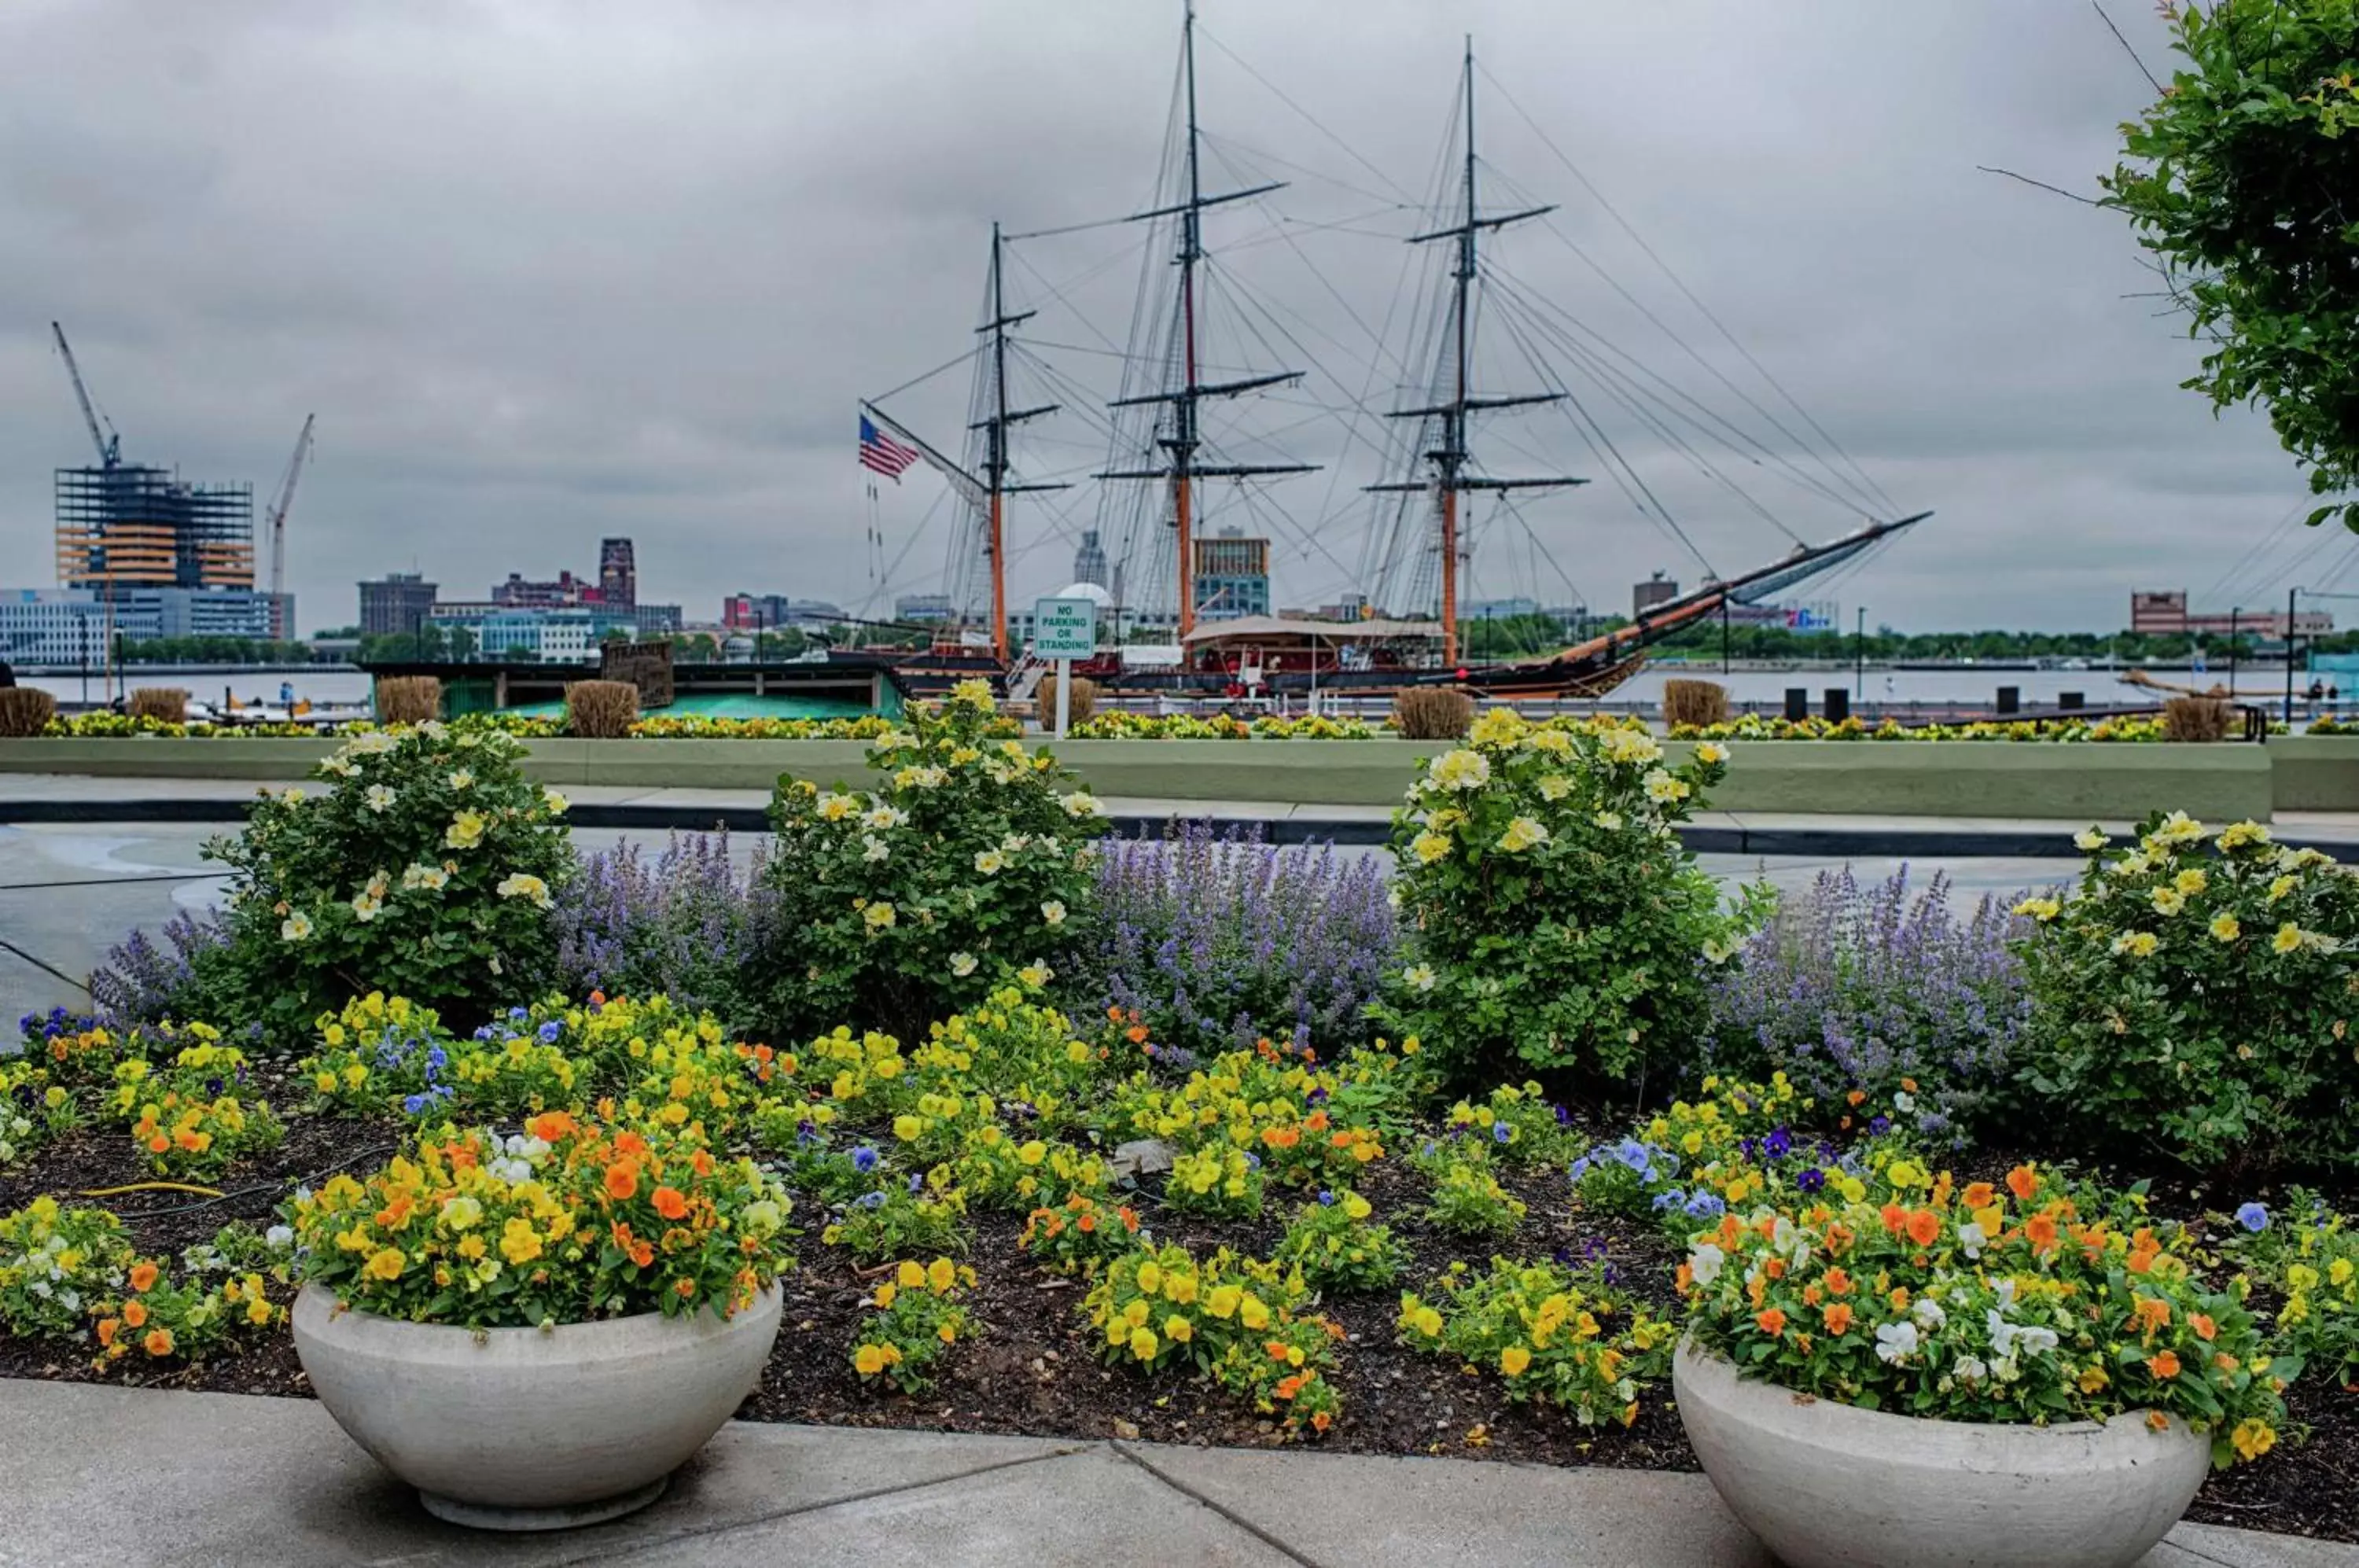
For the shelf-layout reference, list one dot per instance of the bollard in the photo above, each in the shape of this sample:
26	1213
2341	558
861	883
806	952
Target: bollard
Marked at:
1798	704
1838	703
2010	699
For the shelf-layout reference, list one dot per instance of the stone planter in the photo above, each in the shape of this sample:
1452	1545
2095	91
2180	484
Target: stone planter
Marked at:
1825	1485
518	1429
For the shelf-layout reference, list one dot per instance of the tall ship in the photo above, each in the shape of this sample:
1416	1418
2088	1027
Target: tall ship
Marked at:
1482	347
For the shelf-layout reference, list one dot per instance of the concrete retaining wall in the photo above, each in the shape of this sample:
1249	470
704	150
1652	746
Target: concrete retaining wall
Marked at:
2315	773
2067	783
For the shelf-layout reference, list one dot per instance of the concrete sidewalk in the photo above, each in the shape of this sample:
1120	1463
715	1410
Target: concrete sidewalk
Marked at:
98	1474
37	798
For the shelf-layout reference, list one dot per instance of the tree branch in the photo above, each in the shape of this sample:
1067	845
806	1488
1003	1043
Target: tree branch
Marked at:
2125	47
2084	201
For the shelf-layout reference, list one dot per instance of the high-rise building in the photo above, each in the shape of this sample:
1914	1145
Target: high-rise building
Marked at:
396	603
1090	560
1656	590
1232	575
924	607
130	525
618	574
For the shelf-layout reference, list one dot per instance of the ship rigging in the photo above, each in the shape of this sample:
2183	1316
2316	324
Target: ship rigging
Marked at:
1419	530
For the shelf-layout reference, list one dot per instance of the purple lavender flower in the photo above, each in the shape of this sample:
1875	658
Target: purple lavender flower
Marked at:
1849	987
689	925
1219	941
141	984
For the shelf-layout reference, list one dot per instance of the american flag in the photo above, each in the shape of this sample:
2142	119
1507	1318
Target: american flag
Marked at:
882	452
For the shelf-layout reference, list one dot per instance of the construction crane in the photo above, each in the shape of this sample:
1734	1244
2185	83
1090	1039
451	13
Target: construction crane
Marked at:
279	515
109	445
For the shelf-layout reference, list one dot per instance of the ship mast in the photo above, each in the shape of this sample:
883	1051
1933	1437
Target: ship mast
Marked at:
1451	455
1185	434
995	425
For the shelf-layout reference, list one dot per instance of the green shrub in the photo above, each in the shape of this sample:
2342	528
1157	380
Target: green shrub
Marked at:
2195	995
1556	921
426	871
914	901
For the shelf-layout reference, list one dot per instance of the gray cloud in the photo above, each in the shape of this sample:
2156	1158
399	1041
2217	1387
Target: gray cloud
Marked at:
549	271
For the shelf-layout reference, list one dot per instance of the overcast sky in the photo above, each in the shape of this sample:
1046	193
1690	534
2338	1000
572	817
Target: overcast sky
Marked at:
550	271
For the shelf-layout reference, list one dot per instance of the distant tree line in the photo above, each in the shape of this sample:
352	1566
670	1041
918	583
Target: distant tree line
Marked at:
209	650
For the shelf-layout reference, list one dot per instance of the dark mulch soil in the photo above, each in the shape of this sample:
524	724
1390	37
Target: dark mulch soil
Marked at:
1035	1369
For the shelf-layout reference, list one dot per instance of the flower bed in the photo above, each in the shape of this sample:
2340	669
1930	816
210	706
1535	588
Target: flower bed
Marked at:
1031	1203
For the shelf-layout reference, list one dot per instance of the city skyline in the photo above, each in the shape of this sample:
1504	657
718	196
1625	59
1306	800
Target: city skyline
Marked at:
497	390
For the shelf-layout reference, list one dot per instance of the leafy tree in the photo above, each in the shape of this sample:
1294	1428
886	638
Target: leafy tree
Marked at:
2242	179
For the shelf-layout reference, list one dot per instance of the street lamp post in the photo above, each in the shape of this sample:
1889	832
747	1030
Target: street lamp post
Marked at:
2293	596
1859	660
2232	653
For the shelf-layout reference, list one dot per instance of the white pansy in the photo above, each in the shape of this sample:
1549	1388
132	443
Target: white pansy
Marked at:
378	798
962	965
1419	976
1896	1340
1705	1263
1053	912
873	849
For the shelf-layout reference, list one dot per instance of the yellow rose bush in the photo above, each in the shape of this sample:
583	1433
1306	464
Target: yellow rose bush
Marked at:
422	863
568	1221
914	900
1556	922
2032	1300
2197	993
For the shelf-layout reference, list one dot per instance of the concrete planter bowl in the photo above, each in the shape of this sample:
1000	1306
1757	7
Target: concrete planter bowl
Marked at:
519	1429
1830	1486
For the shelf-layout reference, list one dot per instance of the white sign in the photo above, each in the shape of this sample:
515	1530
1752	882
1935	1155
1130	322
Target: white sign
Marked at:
1064	628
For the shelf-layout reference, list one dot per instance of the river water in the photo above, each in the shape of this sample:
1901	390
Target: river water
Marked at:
1954	686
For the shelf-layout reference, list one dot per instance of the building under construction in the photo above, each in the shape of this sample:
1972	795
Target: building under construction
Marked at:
126	525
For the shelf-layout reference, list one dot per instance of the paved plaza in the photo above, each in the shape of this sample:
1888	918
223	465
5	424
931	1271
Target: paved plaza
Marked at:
105	1476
